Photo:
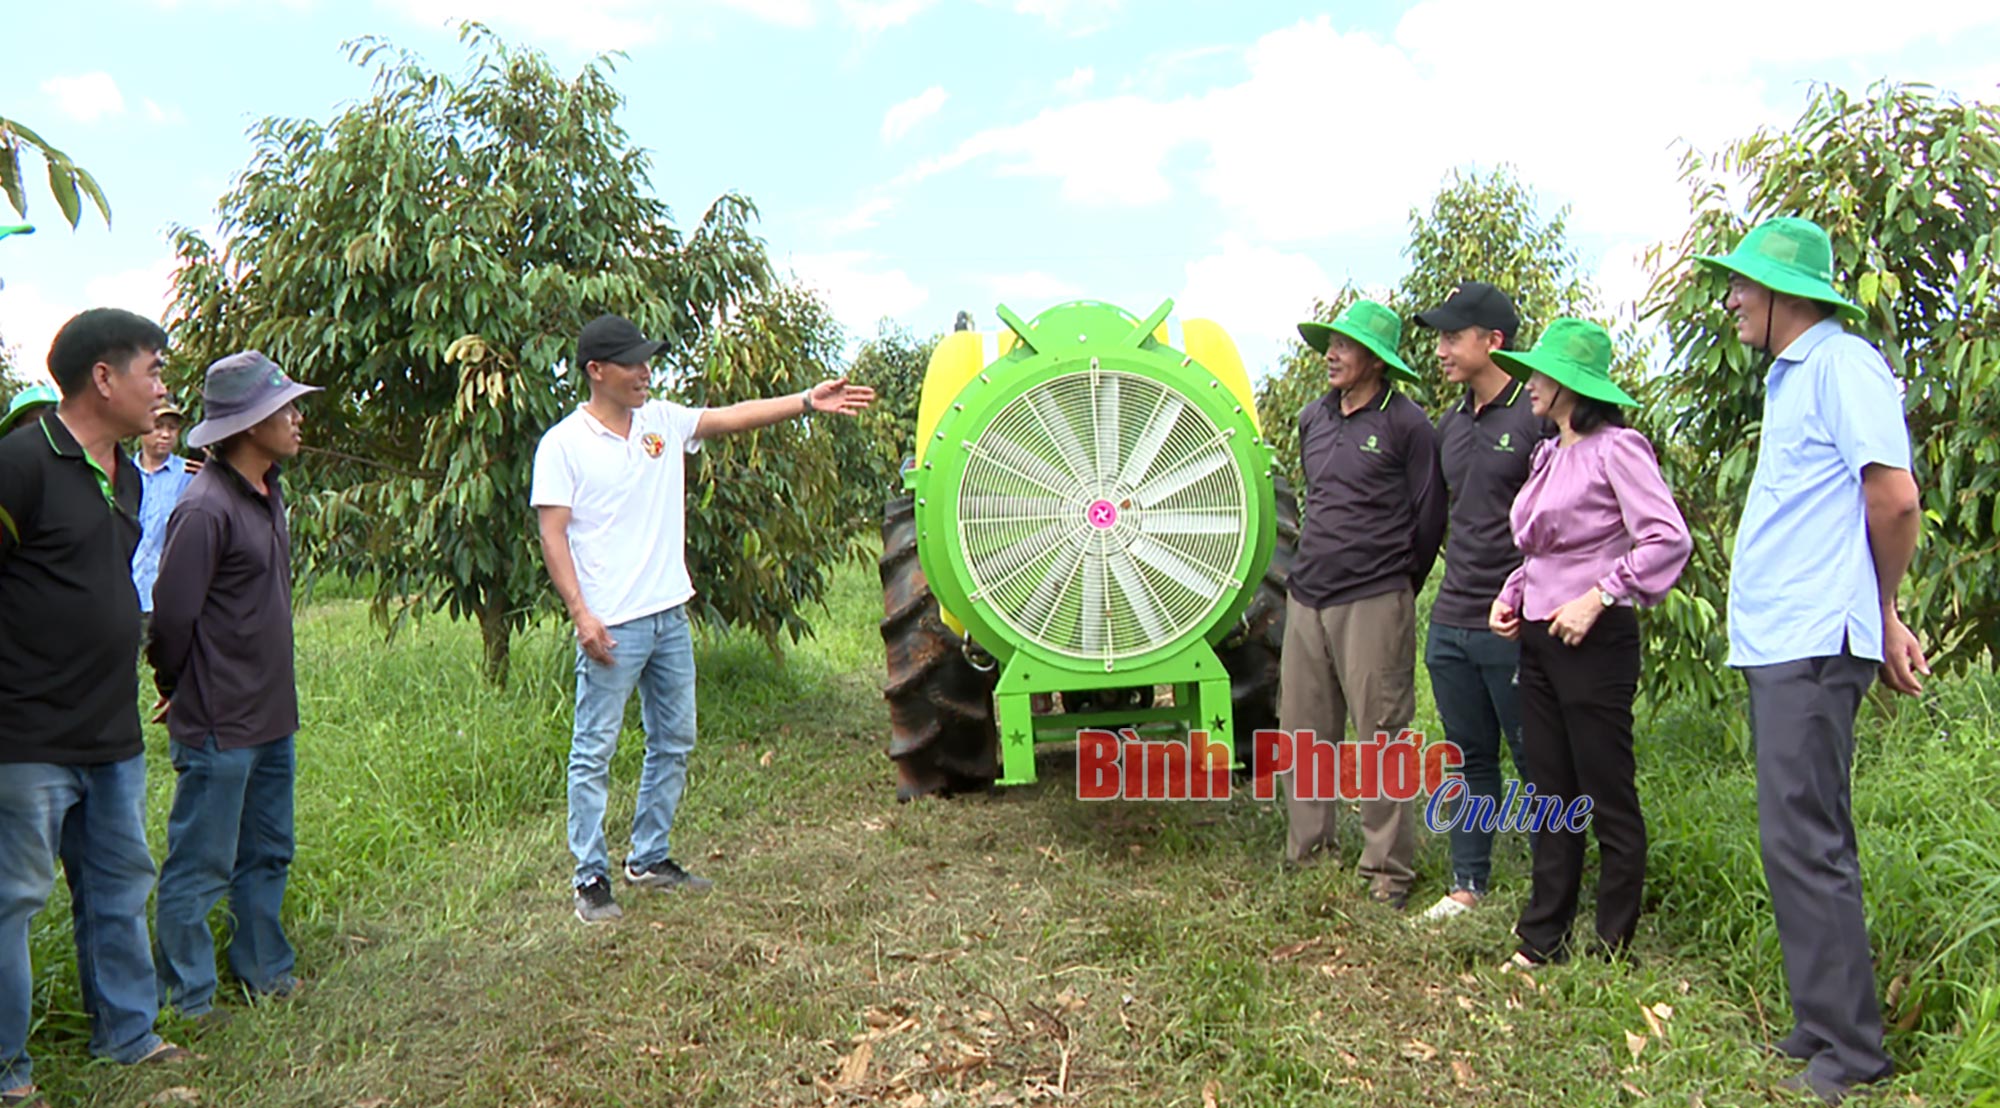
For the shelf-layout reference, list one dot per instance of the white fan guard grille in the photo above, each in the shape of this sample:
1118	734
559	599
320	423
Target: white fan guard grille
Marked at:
1102	515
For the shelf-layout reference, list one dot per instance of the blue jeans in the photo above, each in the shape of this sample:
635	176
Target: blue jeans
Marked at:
230	831
1472	680
656	654
94	819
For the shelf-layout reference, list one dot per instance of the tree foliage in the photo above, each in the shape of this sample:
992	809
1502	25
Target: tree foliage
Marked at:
1907	183
428	256
69	182
1478	228
894	364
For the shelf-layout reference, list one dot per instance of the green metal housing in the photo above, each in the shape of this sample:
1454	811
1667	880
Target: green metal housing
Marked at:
1077	350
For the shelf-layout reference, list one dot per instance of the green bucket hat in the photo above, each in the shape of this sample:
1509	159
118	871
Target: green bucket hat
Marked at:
1369	324
1576	354
1788	255
25	404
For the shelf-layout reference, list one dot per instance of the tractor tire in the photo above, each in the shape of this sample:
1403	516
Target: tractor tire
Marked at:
1252	651
942	734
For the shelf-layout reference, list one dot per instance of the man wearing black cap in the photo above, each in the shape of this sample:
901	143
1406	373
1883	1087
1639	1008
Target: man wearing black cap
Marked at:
1484	443
610	493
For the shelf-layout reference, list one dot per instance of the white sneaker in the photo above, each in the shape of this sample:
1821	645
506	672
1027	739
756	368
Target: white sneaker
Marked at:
1444	909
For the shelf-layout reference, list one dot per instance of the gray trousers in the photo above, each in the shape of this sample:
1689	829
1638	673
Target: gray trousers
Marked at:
1802	720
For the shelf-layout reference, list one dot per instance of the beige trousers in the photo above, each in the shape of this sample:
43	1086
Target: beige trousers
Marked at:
1352	662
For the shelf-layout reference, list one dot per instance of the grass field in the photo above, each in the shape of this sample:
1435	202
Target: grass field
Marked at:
1014	949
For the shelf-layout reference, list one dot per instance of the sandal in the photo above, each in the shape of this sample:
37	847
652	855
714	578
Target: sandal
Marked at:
165	1054
1521	962
23	1097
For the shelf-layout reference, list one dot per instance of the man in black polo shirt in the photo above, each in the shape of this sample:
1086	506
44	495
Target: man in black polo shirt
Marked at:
1484	443
72	762
1375	513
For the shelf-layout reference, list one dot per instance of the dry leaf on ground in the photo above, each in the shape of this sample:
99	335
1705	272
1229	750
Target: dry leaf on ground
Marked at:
854	1068
1655	1022
1293	950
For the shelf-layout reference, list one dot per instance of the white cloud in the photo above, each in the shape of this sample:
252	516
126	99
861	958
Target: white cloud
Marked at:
1258	293
1030	291
1076	16
872	16
596	25
166	116
1331	133
1078	82
1104	152
30	315
858	291
1622	277
784	13
901	118
582	24
86	97
865	216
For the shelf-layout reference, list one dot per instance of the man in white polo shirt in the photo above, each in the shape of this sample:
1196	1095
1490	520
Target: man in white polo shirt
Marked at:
610	493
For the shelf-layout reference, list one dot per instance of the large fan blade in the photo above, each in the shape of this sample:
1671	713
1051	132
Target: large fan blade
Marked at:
1063	433
1166	413
1193	521
1132	589
1196	579
1174	480
1012	458
1108	415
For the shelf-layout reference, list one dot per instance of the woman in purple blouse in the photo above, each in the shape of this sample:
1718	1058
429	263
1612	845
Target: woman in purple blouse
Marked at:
1599	536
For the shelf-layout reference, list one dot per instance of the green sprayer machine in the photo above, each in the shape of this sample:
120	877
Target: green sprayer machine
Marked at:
1092	537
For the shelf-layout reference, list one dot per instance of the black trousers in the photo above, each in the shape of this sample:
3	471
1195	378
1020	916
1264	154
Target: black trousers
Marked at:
1576	725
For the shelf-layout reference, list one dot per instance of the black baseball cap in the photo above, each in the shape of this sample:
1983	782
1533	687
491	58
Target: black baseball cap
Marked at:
615	339
1474	304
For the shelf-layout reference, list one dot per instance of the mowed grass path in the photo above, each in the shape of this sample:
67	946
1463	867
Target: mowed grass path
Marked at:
1020	948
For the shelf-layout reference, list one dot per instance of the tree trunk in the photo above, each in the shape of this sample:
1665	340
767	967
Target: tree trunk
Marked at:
493	630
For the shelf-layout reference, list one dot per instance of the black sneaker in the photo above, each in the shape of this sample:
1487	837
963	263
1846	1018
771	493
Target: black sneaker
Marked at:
594	903
668	875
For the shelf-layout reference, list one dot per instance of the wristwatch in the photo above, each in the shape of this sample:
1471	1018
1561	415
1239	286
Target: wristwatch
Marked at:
806	402
1604	595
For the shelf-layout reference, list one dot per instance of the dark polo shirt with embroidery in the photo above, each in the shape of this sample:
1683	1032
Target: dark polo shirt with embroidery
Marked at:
1485	456
69	616
1375	505
222	613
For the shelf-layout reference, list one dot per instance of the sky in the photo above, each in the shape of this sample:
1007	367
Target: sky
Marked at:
914	158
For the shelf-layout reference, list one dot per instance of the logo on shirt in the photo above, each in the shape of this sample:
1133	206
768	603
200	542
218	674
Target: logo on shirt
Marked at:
1506	442
1372	446
653	444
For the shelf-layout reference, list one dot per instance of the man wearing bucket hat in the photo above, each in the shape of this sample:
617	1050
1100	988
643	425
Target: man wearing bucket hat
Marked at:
1375	514
1828	529
1484	444
163	475
1599	535
221	649
72	754
609	494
